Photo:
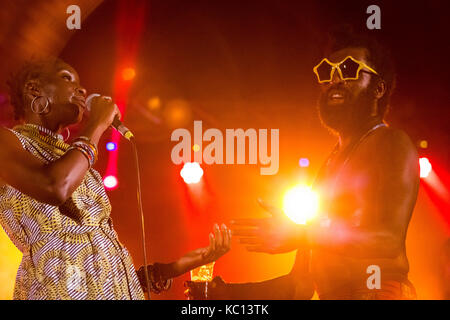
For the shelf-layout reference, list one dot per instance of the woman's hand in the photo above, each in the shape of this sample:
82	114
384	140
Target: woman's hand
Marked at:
219	244
100	117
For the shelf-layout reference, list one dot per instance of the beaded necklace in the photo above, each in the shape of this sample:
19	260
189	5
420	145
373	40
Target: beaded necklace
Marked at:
43	135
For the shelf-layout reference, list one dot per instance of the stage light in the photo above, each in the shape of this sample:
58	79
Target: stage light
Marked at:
177	113
154	103
423	144
110	182
128	74
303	162
111	146
191	172
196	147
300	204
425	167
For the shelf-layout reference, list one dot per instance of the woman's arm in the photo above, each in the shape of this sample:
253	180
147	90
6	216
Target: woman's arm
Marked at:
219	244
52	183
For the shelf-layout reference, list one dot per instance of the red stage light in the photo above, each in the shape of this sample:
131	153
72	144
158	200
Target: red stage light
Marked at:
425	167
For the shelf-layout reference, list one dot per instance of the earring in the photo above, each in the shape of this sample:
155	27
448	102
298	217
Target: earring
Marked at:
68	135
33	108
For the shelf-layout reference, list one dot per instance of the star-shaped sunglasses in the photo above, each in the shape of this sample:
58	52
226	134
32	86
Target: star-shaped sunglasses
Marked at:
348	69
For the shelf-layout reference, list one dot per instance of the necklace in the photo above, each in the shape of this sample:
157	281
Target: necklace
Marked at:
45	136
351	150
44	131
361	140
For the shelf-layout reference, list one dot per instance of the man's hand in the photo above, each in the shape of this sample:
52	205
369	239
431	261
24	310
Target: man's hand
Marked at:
277	234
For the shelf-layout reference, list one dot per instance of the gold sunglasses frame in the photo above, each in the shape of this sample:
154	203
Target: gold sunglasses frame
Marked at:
334	66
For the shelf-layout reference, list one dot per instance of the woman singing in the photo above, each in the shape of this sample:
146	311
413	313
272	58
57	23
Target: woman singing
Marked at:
53	205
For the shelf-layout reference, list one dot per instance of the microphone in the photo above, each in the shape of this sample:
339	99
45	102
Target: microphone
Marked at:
117	124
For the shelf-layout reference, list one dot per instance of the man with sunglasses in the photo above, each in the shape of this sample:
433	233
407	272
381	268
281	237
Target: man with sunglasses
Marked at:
355	248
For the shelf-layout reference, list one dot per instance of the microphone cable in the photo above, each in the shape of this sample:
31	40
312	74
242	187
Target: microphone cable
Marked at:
141	212
129	136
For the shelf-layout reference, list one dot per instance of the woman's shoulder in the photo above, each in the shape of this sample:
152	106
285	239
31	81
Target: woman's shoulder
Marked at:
10	140
8	134
14	138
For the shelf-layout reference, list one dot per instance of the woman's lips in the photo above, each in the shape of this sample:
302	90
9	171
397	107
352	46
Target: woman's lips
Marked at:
79	102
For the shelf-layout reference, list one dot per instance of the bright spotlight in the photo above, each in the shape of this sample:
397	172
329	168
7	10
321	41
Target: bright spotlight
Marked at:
425	167
300	204
110	182
191	172
111	146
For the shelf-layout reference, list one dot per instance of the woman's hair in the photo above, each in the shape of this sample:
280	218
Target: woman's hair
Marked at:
380	57
30	70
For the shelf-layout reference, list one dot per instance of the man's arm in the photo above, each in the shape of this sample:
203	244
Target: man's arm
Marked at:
295	285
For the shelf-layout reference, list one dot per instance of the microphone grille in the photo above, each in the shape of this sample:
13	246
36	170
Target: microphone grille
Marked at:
89	100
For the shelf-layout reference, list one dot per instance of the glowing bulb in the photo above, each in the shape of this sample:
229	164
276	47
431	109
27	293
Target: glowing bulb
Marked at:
111	146
304	162
300	204
423	144
191	172
110	182
425	167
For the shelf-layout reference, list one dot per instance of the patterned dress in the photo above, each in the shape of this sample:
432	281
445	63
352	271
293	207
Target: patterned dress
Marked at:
70	251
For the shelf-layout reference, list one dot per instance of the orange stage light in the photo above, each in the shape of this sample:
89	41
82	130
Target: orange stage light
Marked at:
154	103
177	113
423	144
128	74
301	204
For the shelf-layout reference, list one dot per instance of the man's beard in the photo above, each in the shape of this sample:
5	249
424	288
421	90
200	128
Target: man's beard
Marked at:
349	114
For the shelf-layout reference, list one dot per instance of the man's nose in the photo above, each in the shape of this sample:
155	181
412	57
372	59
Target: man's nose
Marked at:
336	79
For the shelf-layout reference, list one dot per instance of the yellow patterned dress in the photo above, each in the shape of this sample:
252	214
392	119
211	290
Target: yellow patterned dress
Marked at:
70	251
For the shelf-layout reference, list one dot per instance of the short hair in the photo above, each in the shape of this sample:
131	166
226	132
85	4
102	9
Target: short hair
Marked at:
379	57
30	70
